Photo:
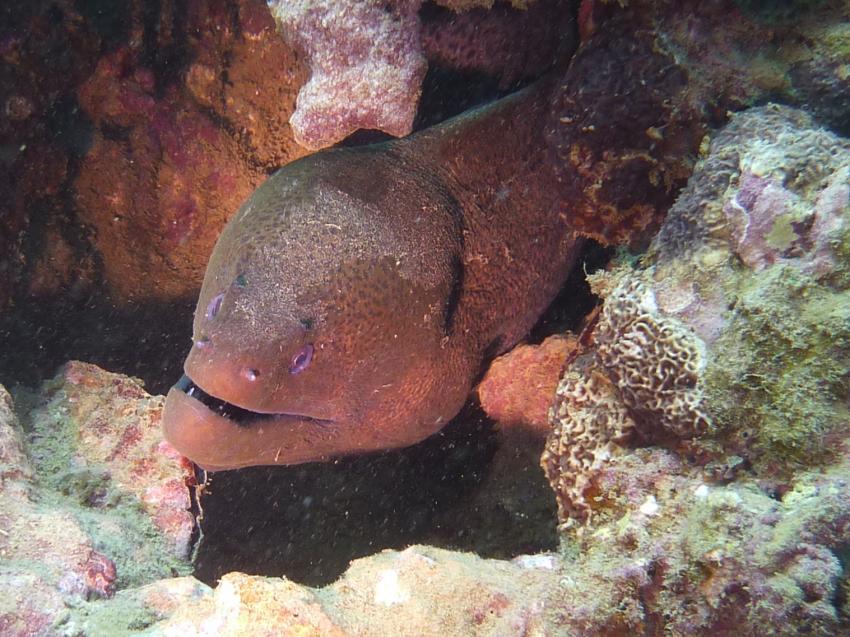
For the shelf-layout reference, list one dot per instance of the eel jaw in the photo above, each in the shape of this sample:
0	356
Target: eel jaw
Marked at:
217	436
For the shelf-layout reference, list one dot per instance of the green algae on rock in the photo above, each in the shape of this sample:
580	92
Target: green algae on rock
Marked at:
780	388
99	467
684	558
779	378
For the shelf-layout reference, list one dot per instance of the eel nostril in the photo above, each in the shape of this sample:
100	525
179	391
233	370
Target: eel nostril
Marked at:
203	342
215	305
250	374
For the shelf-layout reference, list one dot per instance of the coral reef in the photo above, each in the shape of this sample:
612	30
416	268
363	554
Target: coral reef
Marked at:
733	332
684	557
694	64
625	121
763	229
740	54
366	62
158	193
368	59
131	135
672	547
420	591
728	345
121	166
133	611
654	361
91	500
699	451
96	437
249	78
589	422
159	196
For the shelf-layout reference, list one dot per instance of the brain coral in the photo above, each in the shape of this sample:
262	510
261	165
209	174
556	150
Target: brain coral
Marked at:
588	421
654	361
642	383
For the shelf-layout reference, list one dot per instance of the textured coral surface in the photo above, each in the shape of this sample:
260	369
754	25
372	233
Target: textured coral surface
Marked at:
682	557
91	500
95	433
367	67
139	129
739	326
368	59
518	387
186	155
728	346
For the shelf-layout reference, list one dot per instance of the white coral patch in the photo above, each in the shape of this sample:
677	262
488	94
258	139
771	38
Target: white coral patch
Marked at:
543	561
388	590
650	506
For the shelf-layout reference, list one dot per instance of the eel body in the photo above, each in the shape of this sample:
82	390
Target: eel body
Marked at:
352	301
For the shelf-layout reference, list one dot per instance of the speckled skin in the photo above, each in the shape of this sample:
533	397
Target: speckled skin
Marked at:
407	265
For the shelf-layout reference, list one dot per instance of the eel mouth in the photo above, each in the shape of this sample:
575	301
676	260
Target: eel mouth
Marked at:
217	435
238	415
218	406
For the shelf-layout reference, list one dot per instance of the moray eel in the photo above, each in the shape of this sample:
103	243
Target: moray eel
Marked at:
352	301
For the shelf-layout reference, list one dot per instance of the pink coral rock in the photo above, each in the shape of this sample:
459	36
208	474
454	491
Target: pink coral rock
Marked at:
418	592
115	425
29	606
159	196
367	66
368	58
519	386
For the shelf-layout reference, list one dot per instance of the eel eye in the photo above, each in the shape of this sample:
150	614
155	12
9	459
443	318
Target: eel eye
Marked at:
301	360
215	305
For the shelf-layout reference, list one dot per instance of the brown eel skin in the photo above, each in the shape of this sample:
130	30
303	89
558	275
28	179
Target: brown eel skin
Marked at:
351	302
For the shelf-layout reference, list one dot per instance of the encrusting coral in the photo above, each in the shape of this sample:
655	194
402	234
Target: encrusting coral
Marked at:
367	67
589	423
730	344
654	361
700	440
368	59
685	556
91	499
191	147
642	383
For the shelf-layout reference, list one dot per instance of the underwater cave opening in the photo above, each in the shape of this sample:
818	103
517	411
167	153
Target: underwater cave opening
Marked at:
307	522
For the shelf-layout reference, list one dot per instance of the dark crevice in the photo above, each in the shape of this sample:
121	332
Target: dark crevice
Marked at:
148	341
164	41
575	300
308	522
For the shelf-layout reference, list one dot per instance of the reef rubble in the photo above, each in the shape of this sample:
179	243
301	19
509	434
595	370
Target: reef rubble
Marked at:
712	401
91	500
691	504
